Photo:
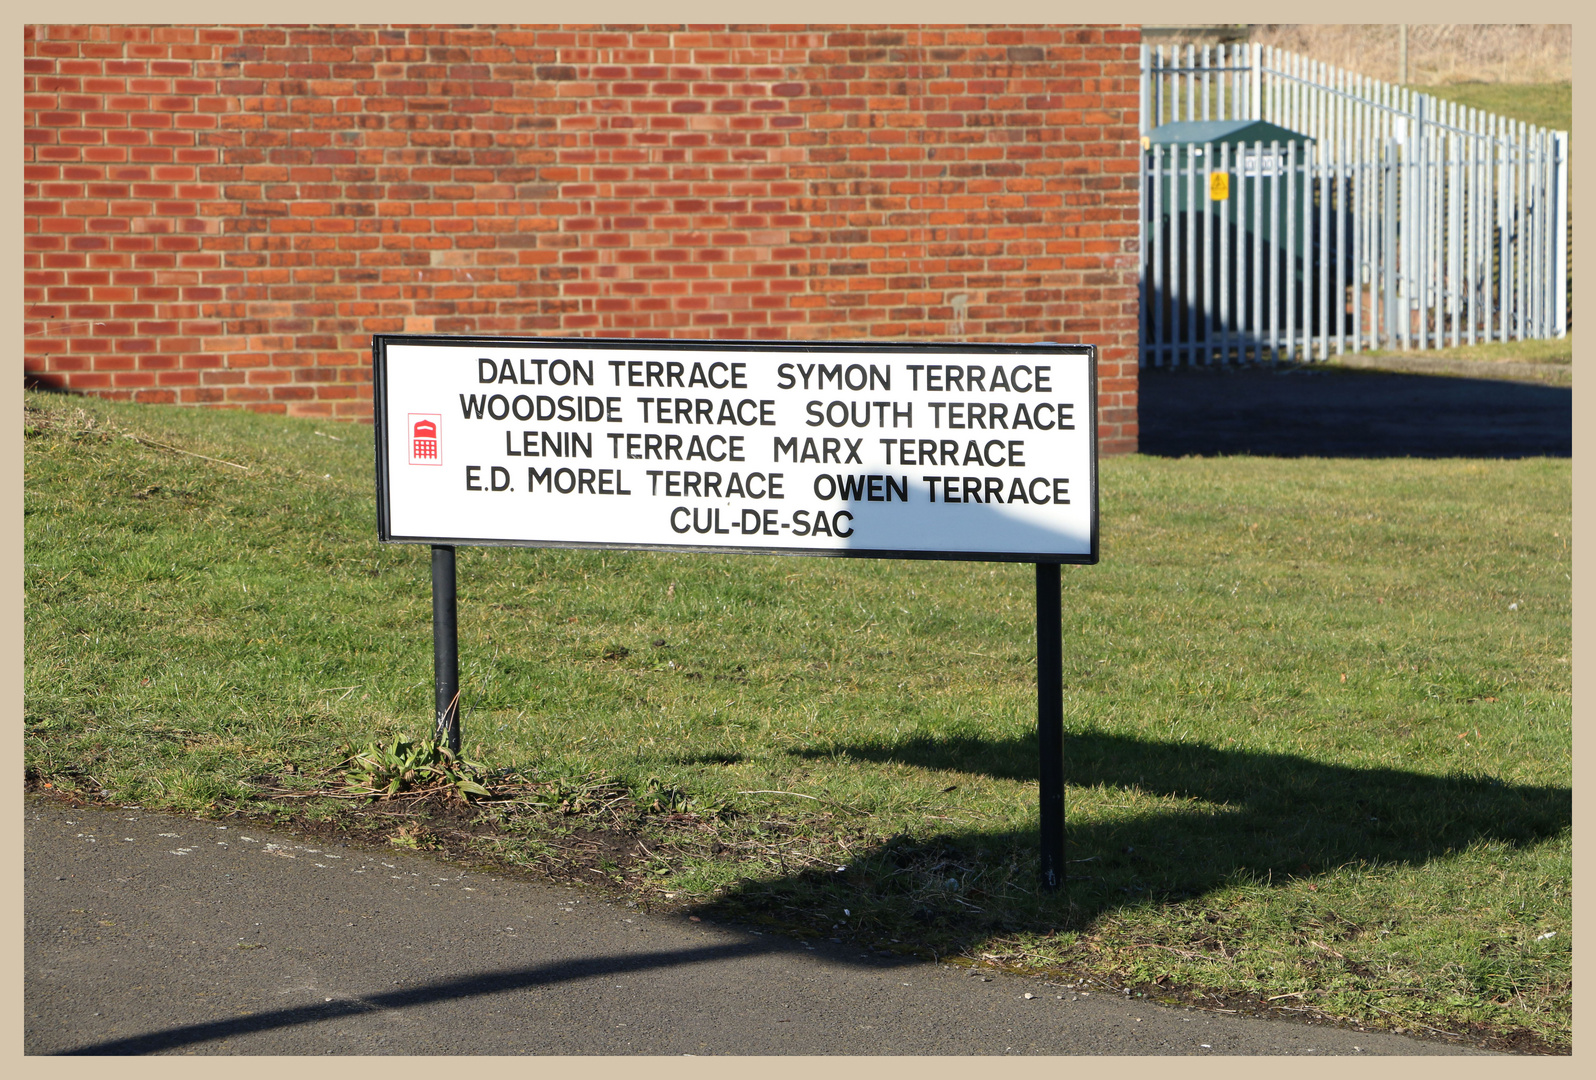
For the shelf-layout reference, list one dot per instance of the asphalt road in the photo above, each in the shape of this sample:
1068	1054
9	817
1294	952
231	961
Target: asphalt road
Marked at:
152	934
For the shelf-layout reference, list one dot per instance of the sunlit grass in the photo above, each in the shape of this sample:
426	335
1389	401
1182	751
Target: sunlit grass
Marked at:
1317	711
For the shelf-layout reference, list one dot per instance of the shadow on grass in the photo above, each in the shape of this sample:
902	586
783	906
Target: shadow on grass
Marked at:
709	759
1265	816
1331	412
1255	816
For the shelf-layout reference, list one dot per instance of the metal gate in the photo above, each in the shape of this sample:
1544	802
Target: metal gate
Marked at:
1399	221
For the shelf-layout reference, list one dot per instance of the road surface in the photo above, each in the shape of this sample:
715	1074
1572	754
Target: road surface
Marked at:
156	934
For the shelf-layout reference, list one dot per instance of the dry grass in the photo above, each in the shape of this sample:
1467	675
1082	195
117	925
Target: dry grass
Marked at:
1438	53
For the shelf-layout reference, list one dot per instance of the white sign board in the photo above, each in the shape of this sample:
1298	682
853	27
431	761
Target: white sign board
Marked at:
922	451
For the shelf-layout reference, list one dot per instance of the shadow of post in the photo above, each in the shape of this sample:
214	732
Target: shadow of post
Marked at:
1256	816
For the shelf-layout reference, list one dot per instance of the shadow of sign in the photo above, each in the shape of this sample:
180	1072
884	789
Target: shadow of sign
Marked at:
485	984
1262	816
1267	815
1327	412
1257	816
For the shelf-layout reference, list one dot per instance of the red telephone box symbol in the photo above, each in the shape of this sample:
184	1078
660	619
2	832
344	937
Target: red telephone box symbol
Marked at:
424	438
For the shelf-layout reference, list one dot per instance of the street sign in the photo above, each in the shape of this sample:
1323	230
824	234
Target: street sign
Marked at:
907	451
886	451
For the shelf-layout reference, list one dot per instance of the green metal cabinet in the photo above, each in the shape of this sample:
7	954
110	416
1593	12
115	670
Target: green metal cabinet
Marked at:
1205	252
1246	167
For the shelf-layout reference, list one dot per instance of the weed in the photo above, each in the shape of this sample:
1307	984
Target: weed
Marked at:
413	765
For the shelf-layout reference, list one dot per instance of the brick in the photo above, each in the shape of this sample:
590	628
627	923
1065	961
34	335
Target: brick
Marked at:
265	198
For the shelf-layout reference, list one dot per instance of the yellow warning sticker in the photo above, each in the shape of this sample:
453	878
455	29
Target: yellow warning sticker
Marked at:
1219	187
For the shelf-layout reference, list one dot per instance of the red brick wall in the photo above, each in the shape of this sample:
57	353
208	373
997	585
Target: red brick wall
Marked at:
221	215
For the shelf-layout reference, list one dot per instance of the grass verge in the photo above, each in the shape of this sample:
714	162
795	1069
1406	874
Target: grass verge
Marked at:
1557	351
1549	105
1317	711
1549	361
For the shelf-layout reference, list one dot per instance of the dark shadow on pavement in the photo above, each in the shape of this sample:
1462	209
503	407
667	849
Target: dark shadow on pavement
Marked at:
1294	411
471	986
1264	816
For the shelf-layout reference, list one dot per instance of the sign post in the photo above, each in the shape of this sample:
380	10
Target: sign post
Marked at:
445	650
939	451
1050	722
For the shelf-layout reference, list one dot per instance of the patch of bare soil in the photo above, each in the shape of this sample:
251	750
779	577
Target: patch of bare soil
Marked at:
609	854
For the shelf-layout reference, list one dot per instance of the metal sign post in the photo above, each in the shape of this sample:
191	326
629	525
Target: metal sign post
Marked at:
941	451
445	650
1050	721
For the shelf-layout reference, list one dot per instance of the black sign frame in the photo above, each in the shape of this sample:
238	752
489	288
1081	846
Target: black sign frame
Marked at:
380	343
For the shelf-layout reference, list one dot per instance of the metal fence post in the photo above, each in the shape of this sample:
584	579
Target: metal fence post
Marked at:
1145	98
1156	223
1255	82
1289	255
1321	172
1190	297
1388	237
1257	263
1560	234
1143	314
1225	321
1207	241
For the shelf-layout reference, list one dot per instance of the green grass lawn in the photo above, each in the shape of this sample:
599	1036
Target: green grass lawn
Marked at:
1559	351
1317	711
1546	104
1548	360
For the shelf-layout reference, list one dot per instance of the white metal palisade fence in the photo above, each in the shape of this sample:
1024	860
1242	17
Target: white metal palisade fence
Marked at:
1409	222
